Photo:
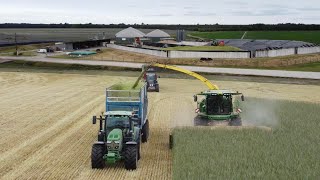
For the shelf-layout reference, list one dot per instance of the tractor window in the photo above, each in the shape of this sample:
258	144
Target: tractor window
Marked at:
117	121
219	104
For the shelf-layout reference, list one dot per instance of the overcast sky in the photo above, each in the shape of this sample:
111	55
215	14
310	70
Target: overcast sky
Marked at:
161	11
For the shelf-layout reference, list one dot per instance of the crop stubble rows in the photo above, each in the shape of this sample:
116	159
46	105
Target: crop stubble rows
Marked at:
46	132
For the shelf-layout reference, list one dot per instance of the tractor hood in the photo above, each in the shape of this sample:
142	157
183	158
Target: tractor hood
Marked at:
115	135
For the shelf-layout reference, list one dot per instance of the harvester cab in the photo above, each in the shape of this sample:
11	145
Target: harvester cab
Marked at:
217	107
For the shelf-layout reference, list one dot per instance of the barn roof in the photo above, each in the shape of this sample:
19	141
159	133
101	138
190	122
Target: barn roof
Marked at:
130	33
158	33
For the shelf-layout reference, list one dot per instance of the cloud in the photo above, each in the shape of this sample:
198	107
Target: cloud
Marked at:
264	12
241	3
309	9
164	11
198	13
161	15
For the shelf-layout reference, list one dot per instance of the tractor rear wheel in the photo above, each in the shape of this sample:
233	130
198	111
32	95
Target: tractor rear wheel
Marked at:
145	132
97	153
131	157
236	122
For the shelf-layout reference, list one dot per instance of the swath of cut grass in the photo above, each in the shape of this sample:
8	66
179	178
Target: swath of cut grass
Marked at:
126	86
290	151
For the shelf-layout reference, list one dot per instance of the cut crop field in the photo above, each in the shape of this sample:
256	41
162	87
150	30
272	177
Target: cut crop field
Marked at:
307	36
46	130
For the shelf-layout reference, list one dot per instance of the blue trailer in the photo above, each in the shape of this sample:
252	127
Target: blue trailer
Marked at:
135	101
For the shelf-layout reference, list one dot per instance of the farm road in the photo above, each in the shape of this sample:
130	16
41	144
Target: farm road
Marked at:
231	71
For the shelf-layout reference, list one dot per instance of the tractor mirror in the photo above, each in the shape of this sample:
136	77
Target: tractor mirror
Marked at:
195	98
242	98
158	76
94	119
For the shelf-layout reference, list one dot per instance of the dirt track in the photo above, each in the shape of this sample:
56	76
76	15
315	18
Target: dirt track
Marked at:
46	131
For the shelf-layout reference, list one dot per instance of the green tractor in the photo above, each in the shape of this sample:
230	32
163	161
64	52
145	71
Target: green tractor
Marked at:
119	138
123	127
218	107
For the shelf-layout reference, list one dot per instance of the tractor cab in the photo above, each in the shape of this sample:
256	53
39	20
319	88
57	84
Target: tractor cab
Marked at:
218	105
119	121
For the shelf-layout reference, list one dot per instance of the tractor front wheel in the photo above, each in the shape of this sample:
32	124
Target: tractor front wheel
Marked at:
131	157
145	132
97	153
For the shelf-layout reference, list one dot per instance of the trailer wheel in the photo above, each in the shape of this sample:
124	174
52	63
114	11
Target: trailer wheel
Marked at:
131	157
236	122
145	132
97	153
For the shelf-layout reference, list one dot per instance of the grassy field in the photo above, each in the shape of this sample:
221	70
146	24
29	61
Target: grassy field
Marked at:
307	36
23	47
289	151
219	34
202	48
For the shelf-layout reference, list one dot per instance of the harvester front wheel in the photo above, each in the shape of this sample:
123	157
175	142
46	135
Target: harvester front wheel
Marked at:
145	132
131	157
97	153
236	122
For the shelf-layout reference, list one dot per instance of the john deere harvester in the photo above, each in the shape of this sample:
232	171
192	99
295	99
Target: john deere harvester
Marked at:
218	107
123	127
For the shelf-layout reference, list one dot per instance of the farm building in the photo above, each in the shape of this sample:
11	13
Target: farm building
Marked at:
157	35
75	45
128	36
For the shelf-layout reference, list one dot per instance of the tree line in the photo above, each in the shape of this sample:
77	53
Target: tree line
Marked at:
195	27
